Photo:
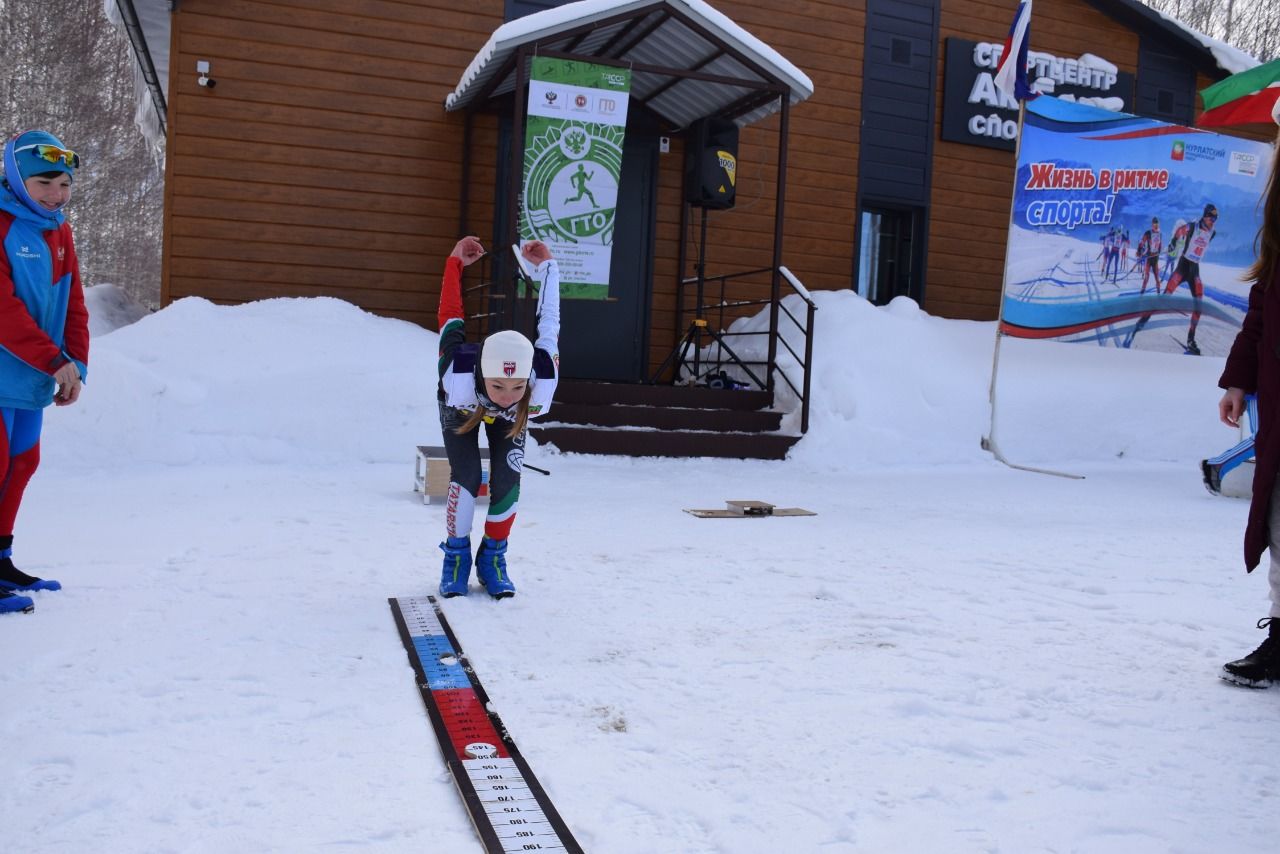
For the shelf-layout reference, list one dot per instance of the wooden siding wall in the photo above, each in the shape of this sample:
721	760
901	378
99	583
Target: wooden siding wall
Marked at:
823	38
973	186
323	163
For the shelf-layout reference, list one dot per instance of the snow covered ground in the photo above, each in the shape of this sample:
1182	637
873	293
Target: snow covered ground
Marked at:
951	656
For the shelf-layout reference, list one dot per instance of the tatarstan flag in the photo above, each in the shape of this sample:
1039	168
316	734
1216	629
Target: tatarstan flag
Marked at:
1249	97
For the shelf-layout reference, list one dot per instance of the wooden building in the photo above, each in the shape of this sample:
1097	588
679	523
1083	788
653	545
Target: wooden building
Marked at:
314	155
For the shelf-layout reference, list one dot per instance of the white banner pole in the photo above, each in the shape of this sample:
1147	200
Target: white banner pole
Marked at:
989	441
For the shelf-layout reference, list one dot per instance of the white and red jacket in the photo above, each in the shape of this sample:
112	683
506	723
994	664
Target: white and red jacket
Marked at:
460	383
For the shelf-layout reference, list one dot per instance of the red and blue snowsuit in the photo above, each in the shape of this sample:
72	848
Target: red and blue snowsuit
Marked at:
43	325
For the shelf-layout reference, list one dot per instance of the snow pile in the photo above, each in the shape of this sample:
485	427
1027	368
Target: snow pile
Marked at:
282	380
897	386
319	380
111	308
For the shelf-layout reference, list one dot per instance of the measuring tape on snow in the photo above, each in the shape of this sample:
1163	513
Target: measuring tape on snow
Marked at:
507	805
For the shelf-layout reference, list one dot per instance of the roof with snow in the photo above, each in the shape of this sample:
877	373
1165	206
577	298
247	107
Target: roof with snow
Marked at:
150	41
1215	58
146	23
687	60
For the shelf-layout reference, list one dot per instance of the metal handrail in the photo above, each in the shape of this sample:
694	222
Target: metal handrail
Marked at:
510	303
723	354
807	363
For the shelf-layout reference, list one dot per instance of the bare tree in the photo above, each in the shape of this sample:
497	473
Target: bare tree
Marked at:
1253	26
68	70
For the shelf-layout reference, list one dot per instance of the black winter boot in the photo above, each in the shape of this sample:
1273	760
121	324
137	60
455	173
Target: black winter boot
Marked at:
1260	668
12	578
1212	476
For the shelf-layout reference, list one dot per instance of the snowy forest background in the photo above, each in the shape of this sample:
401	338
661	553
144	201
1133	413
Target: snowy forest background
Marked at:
1253	26
69	70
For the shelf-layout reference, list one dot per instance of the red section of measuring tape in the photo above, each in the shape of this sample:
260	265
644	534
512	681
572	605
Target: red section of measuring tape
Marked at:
466	720
461	717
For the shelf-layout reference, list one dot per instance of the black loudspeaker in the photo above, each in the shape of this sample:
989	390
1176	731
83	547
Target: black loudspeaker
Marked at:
711	164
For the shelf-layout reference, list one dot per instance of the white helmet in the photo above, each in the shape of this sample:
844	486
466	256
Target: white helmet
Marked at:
506	355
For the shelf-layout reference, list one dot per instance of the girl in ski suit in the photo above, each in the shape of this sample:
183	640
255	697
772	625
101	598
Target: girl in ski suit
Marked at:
501	384
44	328
1253	366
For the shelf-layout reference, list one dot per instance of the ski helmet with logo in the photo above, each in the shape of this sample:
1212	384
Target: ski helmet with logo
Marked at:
506	356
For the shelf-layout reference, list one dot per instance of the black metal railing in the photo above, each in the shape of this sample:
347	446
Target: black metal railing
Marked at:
501	299
706	353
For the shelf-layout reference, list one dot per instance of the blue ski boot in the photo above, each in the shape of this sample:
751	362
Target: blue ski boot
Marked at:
457	566
12	578
12	603
491	568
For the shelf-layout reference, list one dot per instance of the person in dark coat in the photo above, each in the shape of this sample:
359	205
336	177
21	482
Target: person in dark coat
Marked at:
1253	366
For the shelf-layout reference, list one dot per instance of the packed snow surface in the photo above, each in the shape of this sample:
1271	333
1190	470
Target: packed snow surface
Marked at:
952	655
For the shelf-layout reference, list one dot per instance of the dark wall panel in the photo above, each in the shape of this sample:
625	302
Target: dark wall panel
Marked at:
897	101
1166	83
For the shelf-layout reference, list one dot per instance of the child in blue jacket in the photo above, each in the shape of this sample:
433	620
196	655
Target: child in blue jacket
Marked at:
44	327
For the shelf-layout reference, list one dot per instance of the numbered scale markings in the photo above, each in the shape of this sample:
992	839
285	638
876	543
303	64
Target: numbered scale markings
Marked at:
508	806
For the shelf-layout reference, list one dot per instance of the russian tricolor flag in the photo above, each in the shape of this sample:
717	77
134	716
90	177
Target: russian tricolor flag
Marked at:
1011	75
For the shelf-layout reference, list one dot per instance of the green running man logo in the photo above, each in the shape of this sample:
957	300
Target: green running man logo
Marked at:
579	180
572	171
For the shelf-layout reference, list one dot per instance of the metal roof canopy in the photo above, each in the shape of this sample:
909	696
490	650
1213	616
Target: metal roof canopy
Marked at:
687	61
146	23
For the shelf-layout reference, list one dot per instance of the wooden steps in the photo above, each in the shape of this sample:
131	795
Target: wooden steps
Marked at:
662	421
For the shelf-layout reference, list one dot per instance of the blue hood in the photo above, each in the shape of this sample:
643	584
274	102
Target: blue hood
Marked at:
10	202
15	161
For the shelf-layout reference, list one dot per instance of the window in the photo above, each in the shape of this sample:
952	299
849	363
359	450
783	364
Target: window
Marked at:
886	253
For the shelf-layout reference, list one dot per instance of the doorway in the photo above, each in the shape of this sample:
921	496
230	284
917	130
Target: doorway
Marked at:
887	253
608	339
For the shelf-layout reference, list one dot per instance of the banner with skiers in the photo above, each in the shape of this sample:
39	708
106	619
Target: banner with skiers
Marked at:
572	166
1129	232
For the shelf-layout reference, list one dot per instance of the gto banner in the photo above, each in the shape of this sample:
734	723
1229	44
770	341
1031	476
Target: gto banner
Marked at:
572	165
1129	232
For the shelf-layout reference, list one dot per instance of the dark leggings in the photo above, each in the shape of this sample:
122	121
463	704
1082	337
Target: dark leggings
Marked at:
506	459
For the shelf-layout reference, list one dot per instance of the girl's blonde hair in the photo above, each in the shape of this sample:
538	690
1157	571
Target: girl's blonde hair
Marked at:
1267	243
521	419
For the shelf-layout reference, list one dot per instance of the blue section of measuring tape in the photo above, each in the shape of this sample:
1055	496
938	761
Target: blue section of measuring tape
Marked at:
440	676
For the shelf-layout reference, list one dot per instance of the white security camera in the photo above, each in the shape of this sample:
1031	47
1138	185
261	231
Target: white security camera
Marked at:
202	68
